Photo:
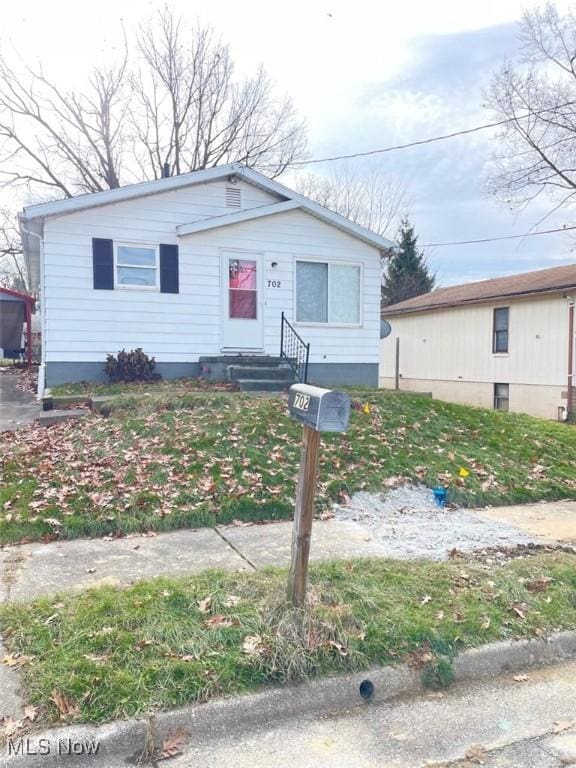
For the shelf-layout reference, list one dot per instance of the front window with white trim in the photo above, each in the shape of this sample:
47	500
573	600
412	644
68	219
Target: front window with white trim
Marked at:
136	266
328	292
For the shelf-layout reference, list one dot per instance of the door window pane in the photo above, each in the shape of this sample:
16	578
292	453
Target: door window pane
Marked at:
242	274
344	294
243	289
243	304
311	292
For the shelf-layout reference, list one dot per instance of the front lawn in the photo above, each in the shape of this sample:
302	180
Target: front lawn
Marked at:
176	459
163	387
164	643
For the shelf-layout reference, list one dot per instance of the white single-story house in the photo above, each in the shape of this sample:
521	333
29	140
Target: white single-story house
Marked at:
505	343
199	268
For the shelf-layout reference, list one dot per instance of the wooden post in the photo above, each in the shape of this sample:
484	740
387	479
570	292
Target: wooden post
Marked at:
302	528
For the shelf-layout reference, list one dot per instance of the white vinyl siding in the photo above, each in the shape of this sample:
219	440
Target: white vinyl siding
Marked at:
85	325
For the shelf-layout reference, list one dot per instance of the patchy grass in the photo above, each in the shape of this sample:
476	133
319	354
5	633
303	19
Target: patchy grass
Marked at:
113	653
182	459
161	387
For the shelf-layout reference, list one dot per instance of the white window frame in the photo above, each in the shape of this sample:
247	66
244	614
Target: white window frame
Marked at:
316	323
122	286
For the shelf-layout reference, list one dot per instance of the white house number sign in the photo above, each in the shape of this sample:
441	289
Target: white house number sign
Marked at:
301	401
274	283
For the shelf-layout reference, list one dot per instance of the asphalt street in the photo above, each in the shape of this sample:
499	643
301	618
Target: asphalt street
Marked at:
498	723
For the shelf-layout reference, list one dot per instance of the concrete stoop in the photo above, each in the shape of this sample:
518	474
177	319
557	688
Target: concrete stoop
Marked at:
252	373
130	741
55	408
55	416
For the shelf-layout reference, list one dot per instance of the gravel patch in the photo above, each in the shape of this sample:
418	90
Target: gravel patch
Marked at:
409	524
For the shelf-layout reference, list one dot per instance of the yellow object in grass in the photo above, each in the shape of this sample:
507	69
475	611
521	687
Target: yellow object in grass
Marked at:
366	408
463	472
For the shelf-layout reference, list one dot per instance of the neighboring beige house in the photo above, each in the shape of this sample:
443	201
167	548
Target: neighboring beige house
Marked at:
500	343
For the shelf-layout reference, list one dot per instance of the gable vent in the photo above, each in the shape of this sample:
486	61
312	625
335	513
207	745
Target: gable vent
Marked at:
233	199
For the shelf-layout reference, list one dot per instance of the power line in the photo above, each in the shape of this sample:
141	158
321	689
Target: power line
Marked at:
503	237
431	140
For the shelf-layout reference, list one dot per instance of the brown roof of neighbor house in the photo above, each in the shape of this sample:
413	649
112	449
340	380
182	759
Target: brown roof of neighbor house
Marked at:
551	280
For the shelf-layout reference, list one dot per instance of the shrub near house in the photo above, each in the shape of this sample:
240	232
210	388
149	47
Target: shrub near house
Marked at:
131	366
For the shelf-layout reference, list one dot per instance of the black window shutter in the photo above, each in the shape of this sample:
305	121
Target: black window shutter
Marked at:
103	263
169	282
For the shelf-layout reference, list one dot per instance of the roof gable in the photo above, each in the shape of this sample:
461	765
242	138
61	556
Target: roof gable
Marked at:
37	213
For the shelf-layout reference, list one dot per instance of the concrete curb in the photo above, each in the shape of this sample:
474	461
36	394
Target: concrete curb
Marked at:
126	741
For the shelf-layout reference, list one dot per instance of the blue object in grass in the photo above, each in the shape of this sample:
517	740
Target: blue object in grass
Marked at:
441	495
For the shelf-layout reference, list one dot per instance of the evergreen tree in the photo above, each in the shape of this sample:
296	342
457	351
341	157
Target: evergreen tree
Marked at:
408	274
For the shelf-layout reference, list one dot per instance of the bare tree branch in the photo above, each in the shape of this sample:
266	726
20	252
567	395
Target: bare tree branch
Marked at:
12	272
172	98
537	96
193	113
365	196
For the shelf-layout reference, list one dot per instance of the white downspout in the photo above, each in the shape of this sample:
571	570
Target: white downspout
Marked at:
42	369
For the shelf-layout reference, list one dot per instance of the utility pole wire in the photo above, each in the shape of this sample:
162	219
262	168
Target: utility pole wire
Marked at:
431	140
503	237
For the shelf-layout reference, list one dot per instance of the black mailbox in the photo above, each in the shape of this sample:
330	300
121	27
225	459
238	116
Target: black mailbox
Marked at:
324	410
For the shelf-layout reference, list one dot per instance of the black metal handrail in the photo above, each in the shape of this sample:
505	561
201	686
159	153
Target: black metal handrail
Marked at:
294	350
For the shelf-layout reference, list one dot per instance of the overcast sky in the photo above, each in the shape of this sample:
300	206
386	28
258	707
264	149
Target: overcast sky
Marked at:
364	75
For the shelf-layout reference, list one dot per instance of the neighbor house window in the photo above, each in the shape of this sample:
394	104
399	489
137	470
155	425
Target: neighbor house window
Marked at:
328	292
501	396
136	266
500	333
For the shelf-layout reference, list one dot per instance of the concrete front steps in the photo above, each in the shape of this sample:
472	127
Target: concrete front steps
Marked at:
56	409
252	373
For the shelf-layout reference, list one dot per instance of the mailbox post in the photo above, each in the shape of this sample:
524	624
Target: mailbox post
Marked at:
319	410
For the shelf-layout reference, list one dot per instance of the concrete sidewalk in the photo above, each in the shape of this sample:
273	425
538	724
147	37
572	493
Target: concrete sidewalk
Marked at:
16	407
547	520
28	571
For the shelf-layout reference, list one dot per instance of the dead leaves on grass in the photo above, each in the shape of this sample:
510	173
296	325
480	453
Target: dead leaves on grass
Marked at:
66	705
204	604
220	621
10	726
539	584
253	645
153	463
16	660
115	471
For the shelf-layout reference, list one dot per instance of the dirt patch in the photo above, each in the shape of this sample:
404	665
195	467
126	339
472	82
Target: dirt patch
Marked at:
409	524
